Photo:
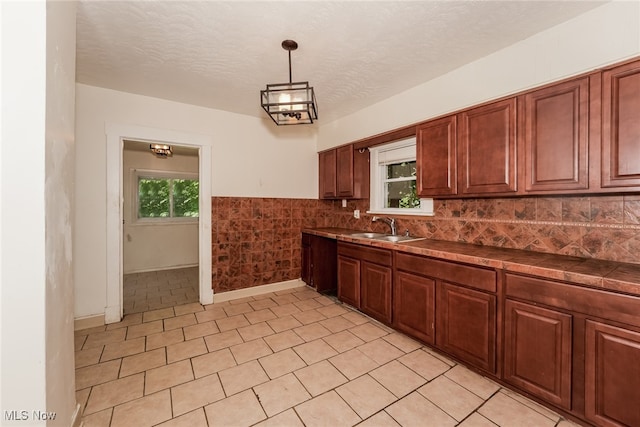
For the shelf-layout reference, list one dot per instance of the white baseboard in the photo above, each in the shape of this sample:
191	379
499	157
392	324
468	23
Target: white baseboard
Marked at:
147	270
76	419
88	322
258	290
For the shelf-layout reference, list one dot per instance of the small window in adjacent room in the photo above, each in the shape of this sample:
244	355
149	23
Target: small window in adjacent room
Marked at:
393	180
162	196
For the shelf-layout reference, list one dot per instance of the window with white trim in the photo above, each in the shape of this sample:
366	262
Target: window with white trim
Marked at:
393	180
165	196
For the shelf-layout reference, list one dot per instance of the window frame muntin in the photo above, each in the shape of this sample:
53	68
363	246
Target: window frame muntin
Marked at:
377	180
136	174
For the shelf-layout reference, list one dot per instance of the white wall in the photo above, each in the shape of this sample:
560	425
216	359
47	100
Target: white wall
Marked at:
251	157
150	246
59	199
602	36
36	181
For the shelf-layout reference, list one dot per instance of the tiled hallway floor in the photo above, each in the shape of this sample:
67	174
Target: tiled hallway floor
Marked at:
292	358
159	289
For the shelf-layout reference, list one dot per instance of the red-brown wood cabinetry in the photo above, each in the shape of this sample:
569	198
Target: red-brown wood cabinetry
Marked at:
621	126
414	303
448	304
538	351
343	173
487	149
466	325
365	279
436	158
327	173
319	257
349	280
375	290
612	375
556	137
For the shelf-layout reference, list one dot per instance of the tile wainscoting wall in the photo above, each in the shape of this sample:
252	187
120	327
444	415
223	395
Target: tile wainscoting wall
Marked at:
256	241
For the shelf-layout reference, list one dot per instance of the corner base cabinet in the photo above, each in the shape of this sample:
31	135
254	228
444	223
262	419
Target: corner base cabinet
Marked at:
319	262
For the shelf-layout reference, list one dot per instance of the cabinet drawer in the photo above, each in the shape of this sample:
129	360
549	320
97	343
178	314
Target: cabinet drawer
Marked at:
474	277
571	297
365	253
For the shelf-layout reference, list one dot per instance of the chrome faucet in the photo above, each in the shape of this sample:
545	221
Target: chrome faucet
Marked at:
391	222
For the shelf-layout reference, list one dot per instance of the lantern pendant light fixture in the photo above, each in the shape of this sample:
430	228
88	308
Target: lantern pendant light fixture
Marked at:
292	103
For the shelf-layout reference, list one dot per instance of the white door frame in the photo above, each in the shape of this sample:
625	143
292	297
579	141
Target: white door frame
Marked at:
116	134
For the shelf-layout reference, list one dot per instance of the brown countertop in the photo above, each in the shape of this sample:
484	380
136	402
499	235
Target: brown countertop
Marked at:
609	275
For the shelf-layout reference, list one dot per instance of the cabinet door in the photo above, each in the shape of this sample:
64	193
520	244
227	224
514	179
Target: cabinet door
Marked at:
344	171
327	172
612	377
556	127
349	281
375	291
413	306
323	263
466	325
621	126
307	266
538	351
436	158
487	149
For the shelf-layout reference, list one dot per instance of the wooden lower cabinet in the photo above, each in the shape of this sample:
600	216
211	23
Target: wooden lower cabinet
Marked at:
349	280
538	351
414	306
612	376
365	279
375	291
319	262
466	325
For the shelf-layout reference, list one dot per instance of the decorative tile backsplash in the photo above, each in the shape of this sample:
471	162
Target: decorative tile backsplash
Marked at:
603	227
256	241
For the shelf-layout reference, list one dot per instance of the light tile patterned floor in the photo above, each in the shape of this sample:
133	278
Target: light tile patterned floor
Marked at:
159	289
291	358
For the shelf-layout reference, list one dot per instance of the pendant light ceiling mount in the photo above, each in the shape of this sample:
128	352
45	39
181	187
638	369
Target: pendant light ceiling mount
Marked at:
292	103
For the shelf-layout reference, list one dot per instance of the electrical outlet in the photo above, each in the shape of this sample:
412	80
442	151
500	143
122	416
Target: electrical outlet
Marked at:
356	214
344	203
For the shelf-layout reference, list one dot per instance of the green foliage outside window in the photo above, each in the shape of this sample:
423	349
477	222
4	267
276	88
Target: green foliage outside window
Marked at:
401	186
167	198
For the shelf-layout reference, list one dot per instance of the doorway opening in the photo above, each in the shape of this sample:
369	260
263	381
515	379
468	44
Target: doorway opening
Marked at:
160	227
118	211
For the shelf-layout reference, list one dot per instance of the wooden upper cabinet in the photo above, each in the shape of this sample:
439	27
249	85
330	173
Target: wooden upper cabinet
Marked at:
327	171
621	126
436	158
487	149
344	171
556	137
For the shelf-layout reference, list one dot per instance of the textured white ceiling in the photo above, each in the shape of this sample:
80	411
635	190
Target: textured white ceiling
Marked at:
220	54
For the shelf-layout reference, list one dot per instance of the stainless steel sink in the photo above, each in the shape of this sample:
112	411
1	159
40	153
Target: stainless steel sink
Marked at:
396	239
385	237
369	235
